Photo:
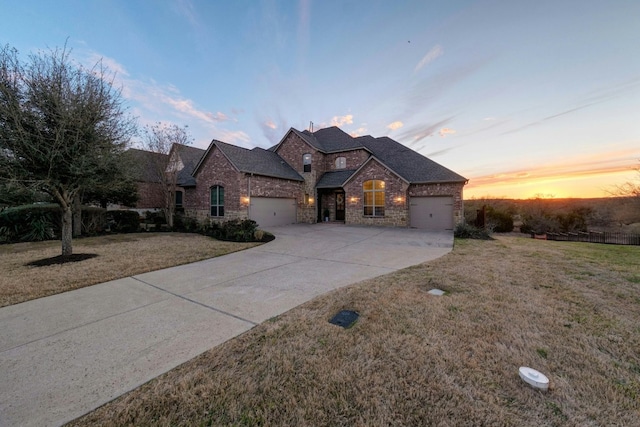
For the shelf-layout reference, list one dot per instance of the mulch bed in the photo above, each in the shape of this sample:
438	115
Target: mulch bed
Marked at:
61	259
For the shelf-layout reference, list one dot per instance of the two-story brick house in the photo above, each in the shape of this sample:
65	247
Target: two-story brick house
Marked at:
362	180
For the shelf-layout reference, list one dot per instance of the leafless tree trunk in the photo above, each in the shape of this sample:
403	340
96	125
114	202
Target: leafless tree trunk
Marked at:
160	139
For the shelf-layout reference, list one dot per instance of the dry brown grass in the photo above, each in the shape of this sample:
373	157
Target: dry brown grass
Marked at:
570	310
118	256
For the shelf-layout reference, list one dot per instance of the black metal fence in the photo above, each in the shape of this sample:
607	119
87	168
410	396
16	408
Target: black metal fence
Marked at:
596	237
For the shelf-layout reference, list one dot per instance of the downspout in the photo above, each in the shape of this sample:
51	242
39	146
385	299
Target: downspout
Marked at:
249	195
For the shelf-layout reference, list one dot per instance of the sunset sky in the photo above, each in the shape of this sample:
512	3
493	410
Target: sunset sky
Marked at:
521	97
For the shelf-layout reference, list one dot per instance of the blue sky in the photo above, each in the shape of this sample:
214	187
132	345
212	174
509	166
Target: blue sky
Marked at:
521	97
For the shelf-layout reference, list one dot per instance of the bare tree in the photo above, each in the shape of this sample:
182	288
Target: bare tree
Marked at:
62	127
629	189
159	139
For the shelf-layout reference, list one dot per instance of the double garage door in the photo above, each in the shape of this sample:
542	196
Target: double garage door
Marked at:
272	211
431	213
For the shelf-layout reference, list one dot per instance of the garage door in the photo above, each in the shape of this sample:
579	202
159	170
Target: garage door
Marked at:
270	211
431	213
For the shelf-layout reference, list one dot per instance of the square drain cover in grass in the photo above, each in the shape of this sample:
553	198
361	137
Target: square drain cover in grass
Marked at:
346	318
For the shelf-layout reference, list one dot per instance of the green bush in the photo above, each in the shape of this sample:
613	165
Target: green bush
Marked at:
468	231
123	221
28	223
499	221
94	220
185	224
235	230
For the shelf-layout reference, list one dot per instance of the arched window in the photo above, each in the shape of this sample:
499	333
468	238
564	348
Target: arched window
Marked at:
217	200
373	192
341	163
306	162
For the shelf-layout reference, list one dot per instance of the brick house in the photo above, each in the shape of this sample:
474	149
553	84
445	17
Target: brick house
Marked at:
308	176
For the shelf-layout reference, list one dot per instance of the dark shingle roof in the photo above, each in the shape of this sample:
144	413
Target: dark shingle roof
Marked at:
410	165
329	140
334	179
190	157
258	161
147	164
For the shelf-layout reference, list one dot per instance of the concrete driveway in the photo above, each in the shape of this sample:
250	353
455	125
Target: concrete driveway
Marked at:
65	355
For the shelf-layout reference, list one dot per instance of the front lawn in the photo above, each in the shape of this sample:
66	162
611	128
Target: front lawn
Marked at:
119	255
569	310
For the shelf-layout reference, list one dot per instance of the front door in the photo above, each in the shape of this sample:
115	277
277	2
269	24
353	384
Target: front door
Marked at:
339	206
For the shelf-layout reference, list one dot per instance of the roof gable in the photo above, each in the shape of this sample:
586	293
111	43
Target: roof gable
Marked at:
407	163
257	161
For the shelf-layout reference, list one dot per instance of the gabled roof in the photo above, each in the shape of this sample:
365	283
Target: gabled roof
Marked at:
327	140
410	165
334	179
190	156
148	164
257	161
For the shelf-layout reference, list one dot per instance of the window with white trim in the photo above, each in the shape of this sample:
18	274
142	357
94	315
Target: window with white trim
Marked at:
217	200
341	163
373	196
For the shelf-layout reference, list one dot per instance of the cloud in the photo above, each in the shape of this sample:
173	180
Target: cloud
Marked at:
417	133
358	132
395	125
599	96
270	124
446	131
434	53
342	120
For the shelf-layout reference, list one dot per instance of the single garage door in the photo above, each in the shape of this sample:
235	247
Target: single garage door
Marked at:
271	211
431	213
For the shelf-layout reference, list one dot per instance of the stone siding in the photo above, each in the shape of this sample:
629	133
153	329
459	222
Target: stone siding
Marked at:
395	200
354	159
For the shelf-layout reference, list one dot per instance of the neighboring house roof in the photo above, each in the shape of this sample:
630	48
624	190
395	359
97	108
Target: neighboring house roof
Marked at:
257	161
333	179
190	156
146	162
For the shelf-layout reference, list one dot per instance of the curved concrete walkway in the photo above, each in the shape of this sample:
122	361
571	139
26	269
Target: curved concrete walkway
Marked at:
65	355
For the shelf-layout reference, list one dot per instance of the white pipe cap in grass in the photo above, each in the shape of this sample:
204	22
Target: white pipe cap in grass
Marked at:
534	378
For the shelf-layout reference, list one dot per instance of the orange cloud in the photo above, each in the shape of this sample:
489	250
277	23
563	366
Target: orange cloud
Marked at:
270	124
342	120
395	125
446	131
358	132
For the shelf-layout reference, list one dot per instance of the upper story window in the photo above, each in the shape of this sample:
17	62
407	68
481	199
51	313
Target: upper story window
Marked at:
341	163
306	162
373	192
217	200
178	199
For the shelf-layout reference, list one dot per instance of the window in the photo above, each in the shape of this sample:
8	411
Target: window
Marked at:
217	200
341	163
306	162
178	199
373	191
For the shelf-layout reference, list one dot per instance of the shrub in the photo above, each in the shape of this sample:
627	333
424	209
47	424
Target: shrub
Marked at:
468	231
185	224
499	221
94	220
34	222
235	230
123	221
